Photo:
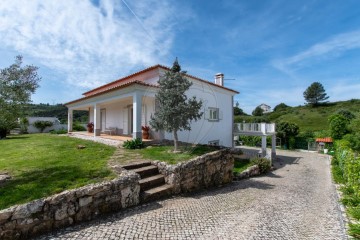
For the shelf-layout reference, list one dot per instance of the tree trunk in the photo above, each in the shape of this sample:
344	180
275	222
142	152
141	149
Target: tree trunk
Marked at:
3	133
175	141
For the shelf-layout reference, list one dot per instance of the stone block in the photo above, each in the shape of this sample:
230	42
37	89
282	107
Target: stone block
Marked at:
85	201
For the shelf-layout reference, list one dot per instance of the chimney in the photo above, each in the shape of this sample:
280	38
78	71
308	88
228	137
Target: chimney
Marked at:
219	79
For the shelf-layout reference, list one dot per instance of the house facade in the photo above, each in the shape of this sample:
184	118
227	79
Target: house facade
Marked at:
266	108
127	104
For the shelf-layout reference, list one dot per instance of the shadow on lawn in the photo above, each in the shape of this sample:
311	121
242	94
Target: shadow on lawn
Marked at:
14	137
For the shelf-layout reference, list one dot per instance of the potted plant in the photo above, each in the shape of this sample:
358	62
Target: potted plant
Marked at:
90	127
145	132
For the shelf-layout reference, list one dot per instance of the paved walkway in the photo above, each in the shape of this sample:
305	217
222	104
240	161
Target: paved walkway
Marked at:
296	201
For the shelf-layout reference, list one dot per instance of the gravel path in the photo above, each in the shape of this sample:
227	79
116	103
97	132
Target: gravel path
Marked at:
296	201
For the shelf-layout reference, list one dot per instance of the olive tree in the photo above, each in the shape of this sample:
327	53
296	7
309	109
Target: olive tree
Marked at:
17	83
175	111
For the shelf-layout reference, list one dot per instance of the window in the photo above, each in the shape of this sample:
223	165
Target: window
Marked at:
213	114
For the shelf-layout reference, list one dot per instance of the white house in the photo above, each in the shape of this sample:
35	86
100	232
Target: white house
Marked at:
266	108
128	103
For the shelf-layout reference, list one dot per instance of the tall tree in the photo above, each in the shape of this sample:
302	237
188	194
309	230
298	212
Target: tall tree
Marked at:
238	110
315	94
17	83
286	130
258	111
175	111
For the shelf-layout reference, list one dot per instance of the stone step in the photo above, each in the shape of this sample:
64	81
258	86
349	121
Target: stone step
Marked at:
151	182
136	165
147	171
156	193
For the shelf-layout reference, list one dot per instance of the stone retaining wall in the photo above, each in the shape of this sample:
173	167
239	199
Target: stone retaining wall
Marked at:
68	207
249	172
212	169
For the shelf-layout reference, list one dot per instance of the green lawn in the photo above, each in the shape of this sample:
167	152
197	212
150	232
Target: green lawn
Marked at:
44	164
165	154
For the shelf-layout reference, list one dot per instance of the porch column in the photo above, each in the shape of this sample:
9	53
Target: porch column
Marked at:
96	120
70	120
137	106
263	146
273	147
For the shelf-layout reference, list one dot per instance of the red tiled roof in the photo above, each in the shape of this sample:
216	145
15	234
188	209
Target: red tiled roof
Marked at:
124	80
324	140
125	84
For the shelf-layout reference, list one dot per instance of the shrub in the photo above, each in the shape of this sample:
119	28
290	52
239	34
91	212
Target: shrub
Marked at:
24	123
133	144
41	125
60	131
78	127
338	126
263	163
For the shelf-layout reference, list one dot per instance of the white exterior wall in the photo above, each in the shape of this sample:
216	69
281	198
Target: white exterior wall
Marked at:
204	130
56	124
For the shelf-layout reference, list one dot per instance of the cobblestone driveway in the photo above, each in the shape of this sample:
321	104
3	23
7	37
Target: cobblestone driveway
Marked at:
296	201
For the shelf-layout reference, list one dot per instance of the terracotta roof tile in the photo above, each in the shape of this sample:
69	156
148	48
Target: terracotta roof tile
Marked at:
324	140
125	79
125	84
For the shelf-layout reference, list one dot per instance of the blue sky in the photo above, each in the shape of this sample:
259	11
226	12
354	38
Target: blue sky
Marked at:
273	49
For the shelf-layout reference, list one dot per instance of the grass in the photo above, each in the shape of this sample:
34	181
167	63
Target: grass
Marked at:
166	154
43	164
241	165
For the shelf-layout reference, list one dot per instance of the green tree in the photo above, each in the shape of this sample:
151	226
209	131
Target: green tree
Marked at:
175	111
281	106
237	110
41	125
346	114
258	111
17	83
338	126
286	130
315	94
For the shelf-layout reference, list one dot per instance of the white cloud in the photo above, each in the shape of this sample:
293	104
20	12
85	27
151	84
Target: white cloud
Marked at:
329	48
90	44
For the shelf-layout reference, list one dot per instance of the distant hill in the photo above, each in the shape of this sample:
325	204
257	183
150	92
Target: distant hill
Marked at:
306	117
58	110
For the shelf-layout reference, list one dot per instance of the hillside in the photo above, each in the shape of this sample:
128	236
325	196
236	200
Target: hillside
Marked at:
306	117
58	110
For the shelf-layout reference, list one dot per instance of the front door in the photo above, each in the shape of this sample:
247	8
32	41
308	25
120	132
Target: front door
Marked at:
102	120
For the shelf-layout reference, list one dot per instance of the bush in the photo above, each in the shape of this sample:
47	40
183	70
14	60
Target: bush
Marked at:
78	127
41	125
263	163
60	131
133	144
24	123
338	126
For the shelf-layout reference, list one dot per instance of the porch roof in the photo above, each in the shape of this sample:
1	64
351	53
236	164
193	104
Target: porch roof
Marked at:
124	85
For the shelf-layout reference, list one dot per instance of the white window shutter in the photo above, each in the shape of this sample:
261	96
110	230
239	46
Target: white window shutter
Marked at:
220	115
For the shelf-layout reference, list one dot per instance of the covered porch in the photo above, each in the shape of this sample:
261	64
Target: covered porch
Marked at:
118	138
117	115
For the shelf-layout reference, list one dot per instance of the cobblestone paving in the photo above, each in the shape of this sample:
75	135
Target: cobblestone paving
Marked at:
296	201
